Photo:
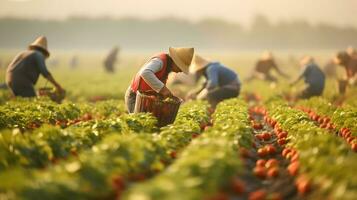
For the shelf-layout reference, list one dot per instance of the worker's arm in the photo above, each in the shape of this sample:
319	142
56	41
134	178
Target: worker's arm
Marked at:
301	76
55	83
148	74
40	63
278	70
212	78
194	93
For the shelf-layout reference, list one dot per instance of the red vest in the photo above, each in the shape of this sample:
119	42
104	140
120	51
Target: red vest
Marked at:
138	82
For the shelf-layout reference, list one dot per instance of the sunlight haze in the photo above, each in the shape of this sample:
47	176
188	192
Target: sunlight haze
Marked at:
342	12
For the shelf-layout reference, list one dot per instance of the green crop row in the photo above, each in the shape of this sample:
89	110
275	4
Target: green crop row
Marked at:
38	148
318	149
99	172
207	163
25	113
342	117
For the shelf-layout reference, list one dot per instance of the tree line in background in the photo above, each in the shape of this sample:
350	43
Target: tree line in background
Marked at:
138	34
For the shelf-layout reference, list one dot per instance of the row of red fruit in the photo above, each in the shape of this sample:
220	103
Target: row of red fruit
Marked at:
302	183
325	122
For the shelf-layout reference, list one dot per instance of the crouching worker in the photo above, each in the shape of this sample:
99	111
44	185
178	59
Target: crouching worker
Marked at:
25	69
221	82
153	75
313	77
347	60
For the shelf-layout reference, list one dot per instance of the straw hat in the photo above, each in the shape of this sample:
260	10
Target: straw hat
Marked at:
41	42
306	60
198	63
267	55
341	57
351	51
182	57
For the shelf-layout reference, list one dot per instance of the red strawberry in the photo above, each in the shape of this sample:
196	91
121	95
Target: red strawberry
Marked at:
258	195
293	168
282	135
262	152
260	163
244	152
271	163
259	172
266	136
303	185
273	172
238	186
282	141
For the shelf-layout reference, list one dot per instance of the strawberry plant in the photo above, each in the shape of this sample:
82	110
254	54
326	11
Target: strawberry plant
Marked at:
215	148
317	148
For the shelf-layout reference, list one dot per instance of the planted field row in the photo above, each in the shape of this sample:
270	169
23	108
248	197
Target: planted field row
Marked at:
344	118
322	157
123	156
268	175
28	114
342	122
48	144
205	168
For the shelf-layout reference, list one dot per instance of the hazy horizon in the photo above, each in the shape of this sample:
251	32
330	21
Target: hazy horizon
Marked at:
340	13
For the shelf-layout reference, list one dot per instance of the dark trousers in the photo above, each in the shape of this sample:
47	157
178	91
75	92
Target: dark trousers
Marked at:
22	90
130	99
219	94
309	92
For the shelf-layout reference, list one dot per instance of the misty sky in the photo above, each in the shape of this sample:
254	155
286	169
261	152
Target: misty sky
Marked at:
340	12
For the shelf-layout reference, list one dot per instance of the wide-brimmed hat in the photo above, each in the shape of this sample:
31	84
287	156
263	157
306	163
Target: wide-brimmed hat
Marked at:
351	51
198	63
41	42
306	60
341	57
267	55
182	57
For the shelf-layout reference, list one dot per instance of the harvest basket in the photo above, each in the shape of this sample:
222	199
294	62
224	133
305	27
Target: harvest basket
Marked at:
52	93
165	110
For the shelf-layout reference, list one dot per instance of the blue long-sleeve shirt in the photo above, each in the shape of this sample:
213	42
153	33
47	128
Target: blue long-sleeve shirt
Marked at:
218	75
313	76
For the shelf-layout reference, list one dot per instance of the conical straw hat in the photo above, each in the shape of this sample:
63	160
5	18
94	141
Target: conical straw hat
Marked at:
198	63
351	51
41	42
182	57
341	57
267	55
306	60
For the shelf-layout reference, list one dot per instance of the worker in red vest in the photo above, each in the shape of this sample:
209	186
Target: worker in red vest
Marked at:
153	75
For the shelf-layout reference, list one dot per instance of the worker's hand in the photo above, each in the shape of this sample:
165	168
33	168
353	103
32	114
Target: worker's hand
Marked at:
203	94
165	92
191	95
60	90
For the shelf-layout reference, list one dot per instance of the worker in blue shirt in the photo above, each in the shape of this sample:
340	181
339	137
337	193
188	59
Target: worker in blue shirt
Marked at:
313	76
221	82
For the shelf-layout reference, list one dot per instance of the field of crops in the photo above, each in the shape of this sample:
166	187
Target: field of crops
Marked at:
88	147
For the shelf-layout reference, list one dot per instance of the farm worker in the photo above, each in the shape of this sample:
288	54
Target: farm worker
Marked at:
349	62
111	59
221	82
263	68
330	69
313	77
351	51
179	82
153	74
73	63
25	69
